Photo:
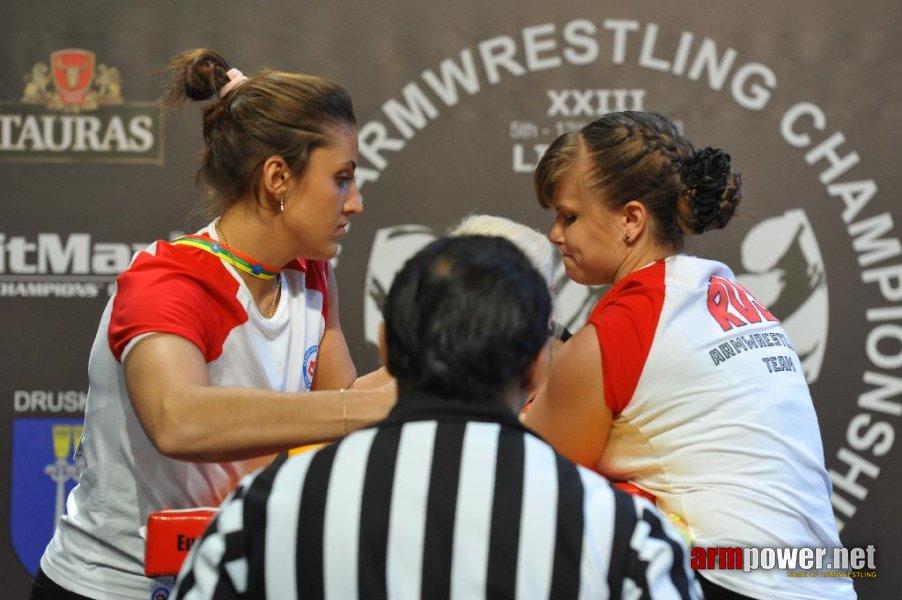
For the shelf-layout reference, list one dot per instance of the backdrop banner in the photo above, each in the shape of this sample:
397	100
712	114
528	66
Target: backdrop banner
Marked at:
455	104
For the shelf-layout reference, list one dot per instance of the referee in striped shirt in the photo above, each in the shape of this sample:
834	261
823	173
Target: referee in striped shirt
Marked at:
450	496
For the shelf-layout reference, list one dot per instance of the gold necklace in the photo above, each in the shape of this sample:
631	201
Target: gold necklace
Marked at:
274	301
275	298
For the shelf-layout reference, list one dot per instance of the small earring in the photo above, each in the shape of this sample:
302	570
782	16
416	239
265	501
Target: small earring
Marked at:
626	237
282	203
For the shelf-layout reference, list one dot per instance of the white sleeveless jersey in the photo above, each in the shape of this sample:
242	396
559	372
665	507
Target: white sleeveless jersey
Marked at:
181	290
712	415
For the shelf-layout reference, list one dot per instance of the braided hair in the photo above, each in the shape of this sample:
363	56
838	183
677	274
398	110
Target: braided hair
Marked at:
643	156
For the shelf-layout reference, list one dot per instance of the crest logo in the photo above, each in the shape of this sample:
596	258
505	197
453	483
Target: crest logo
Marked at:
160	593
71	83
45	468
72	109
73	71
309	366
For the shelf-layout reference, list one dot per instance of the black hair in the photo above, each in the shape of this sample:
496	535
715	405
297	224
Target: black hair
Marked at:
465	318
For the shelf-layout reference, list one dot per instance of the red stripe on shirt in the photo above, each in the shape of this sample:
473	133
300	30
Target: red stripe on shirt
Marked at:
625	321
178	290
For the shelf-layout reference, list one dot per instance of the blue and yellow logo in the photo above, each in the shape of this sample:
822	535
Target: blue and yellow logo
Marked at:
44	470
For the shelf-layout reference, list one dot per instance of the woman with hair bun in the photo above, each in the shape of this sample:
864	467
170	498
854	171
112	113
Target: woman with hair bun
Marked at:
684	387
221	349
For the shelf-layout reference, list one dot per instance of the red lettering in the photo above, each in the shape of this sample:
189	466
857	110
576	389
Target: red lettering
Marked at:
730	558
754	302
719	305
739	299
724	294
715	558
766	313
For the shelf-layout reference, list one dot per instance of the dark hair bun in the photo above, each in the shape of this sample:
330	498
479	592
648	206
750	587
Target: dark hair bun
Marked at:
205	75
713	188
196	75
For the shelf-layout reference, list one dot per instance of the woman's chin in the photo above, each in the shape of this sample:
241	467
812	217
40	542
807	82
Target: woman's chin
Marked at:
326	251
575	275
583	278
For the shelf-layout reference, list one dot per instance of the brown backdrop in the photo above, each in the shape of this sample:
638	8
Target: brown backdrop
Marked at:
454	101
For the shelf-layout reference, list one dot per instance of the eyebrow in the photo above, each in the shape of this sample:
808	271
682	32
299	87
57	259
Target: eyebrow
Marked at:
348	165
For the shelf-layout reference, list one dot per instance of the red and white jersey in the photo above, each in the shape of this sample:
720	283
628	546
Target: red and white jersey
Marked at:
713	416
185	291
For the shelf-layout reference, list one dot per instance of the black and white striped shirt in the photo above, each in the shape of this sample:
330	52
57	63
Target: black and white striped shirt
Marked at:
440	500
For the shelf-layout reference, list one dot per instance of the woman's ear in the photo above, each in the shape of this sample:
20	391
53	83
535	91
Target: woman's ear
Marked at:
275	175
634	218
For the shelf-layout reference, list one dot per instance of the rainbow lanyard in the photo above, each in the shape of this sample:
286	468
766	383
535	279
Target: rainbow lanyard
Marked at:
240	261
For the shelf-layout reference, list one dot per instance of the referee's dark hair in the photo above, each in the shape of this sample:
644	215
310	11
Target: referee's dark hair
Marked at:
465	318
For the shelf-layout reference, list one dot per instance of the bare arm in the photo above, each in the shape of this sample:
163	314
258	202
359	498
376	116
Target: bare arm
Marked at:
334	366
187	418
570	411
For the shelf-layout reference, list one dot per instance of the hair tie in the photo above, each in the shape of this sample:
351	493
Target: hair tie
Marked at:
236	78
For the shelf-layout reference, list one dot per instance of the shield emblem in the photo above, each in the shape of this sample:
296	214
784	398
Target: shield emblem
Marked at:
73	73
44	470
